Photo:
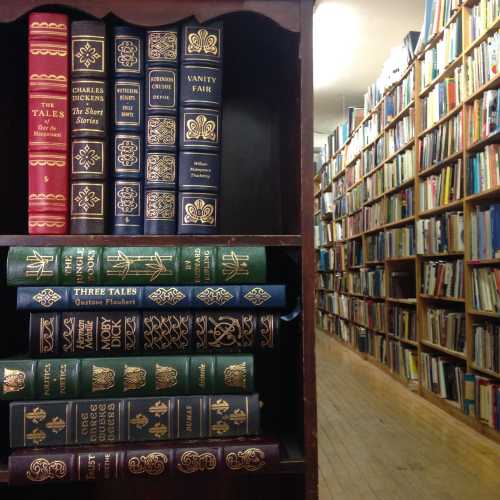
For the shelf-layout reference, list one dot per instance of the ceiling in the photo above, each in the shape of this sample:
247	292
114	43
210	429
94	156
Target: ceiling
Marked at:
352	40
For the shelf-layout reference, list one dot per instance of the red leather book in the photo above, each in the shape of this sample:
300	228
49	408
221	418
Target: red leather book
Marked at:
48	123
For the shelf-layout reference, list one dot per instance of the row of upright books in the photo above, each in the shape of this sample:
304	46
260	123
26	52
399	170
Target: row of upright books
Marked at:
124	127
140	344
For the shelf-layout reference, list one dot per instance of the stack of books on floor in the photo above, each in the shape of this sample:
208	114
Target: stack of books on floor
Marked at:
135	345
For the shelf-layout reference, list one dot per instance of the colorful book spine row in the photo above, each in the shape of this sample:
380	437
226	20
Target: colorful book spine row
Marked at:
443	278
401	134
482	117
355	225
400	97
484	170
486	289
442	142
482	17
402	322
400	205
442	99
353	174
400	242
485	232
440	189
437	15
486	338
482	64
443	233
446	50
375	247
375	185
374	216
372	282
355	253
403	360
446	328
400	170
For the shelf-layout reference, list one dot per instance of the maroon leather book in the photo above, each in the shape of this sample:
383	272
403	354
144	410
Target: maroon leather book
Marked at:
48	123
216	458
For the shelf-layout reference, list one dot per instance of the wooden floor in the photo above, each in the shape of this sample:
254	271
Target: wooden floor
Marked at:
378	440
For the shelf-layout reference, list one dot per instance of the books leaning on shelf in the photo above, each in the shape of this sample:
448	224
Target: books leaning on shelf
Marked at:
484	170
403	361
218	458
482	17
375	247
400	242
402	322
443	377
485	231
399	170
443	233
483	117
442	99
441	142
437	15
443	188
446	328
486	342
486	289
443	278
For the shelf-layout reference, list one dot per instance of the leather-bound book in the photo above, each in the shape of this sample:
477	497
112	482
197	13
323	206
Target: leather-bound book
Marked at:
48	123
126	377
88	127
200	128
160	418
216	458
160	183
127	53
89	334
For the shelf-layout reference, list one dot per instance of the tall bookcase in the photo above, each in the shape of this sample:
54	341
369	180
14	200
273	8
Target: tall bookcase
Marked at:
266	199
401	355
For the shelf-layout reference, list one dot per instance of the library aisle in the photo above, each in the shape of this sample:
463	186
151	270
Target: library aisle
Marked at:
378	440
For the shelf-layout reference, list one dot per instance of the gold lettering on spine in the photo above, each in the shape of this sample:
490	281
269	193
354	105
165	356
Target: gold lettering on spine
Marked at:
98	424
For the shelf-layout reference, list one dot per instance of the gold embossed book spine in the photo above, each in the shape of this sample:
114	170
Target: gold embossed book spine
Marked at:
88	127
161	84
200	127
217	459
48	123
127	65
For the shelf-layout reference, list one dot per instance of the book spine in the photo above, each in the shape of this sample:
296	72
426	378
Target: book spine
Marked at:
48	123
218	459
200	128
90	421
88	334
160	186
199	265
127	376
150	297
128	126
88	127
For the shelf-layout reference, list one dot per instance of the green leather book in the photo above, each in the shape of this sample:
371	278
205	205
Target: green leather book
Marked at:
131	376
75	266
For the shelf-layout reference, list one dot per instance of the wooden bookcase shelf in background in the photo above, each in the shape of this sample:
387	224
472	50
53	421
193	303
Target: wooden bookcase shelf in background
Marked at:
326	318
266	199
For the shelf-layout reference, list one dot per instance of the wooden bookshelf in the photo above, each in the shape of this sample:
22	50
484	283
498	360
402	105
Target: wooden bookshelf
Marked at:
465	204
264	76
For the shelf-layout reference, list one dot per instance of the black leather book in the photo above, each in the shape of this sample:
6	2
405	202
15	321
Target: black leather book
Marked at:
127	53
88	127
162	95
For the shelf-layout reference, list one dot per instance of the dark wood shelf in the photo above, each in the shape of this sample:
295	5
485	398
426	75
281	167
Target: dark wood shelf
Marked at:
165	240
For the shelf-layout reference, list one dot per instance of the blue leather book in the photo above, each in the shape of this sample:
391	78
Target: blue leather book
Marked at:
199	171
61	298
127	207
162	46
127	56
201	86
197	213
202	43
160	211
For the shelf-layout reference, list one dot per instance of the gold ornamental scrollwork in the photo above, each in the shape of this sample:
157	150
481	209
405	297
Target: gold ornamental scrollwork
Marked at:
250	460
41	470
152	464
193	461
202	42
